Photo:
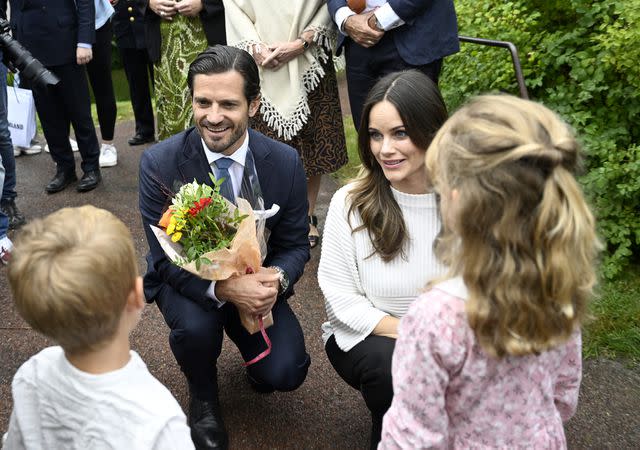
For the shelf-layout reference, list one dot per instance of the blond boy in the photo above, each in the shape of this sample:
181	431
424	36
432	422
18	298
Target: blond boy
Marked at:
74	279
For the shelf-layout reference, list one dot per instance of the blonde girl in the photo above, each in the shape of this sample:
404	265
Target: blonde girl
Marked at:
491	357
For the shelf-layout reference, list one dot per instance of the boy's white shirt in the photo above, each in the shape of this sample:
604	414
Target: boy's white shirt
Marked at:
58	406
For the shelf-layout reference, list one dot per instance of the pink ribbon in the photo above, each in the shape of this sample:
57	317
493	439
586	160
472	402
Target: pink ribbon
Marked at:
266	340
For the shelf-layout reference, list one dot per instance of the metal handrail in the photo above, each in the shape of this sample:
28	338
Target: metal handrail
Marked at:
514	57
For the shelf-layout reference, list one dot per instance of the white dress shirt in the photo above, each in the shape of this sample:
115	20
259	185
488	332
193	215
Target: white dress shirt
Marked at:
383	11
236	170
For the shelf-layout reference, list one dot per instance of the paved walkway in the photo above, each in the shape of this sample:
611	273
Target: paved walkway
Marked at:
324	412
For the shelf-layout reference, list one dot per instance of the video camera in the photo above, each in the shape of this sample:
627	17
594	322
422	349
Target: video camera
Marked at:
16	57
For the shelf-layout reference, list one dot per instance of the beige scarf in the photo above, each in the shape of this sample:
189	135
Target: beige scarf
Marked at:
284	105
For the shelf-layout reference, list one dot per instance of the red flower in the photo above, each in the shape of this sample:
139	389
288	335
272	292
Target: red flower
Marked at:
199	205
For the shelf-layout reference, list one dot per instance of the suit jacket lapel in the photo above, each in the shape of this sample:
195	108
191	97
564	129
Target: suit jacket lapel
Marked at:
264	167
194	164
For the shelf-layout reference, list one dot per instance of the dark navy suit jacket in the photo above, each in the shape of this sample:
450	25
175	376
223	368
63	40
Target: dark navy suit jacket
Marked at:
282	179
52	29
430	31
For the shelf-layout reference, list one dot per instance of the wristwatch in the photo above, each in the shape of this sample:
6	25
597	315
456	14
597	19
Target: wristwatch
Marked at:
284	278
305	44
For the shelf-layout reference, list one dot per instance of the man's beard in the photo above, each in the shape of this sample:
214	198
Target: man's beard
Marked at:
221	145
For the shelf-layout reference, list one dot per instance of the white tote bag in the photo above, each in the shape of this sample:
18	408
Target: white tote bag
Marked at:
21	115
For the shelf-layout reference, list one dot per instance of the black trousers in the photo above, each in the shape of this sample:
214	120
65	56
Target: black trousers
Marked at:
196	341
367	368
139	69
365	66
59	106
99	71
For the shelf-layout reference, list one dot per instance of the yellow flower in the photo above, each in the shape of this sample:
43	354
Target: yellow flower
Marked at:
172	225
176	236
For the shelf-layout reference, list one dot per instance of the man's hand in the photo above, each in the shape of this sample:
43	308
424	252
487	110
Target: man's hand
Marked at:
83	55
358	29
189	8
163	8
253	293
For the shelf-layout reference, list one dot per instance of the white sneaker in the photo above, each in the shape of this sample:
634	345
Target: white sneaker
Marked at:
32	150
6	247
108	155
74	146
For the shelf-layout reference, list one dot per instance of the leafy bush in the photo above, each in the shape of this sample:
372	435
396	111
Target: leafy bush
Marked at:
580	58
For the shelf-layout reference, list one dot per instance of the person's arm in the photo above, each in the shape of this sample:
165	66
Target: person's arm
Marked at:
350	312
174	435
421	366
154	199
408	10
12	439
289	242
86	10
567	385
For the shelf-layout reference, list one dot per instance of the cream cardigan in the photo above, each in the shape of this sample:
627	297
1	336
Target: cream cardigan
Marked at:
284	105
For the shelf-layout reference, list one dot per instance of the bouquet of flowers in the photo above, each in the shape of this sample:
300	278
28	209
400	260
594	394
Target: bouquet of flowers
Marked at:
204	234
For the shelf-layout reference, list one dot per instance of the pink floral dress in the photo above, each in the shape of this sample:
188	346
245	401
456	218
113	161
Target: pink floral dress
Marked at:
448	394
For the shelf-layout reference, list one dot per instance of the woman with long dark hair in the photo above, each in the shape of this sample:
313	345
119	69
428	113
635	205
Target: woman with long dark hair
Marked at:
377	252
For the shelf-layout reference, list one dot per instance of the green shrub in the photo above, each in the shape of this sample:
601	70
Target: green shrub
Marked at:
582	59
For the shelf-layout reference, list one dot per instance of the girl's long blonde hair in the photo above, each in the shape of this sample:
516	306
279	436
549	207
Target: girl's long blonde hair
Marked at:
522	235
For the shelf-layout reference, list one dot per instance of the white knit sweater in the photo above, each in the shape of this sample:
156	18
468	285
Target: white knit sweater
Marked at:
360	290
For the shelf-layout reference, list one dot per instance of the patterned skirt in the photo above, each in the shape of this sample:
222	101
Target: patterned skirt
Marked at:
321	141
182	40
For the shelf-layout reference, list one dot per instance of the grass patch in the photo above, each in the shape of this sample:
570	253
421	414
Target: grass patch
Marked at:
349	170
614	331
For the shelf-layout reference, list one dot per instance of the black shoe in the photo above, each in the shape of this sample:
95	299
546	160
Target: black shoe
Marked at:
207	427
140	139
9	208
89	181
61	181
260	388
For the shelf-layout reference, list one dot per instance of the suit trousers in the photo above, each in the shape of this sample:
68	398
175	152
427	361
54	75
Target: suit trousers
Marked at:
365	66
99	71
367	368
196	342
139	69
59	106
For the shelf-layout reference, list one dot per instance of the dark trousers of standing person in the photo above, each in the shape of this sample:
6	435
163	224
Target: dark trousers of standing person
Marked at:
99	71
139	70
367	368
196	342
59	106
365	66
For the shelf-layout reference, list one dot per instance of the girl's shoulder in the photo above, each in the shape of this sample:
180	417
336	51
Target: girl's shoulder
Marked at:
446	298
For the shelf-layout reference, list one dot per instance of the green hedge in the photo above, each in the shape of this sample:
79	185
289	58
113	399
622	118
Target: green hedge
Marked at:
582	59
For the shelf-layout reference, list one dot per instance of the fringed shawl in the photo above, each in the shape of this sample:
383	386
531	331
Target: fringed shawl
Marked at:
284	105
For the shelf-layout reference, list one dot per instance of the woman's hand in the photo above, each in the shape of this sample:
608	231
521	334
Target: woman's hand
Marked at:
388	327
164	8
261	53
283	52
189	8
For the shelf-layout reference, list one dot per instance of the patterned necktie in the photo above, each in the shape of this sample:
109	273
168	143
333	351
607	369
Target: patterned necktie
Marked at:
226	188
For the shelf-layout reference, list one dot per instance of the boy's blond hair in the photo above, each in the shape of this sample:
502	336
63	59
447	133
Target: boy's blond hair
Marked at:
71	274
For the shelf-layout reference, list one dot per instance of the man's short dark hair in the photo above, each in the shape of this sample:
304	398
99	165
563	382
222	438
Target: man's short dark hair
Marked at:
221	59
